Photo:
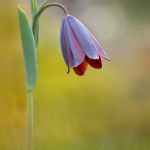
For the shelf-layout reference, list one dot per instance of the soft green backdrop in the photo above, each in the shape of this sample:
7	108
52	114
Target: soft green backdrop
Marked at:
107	109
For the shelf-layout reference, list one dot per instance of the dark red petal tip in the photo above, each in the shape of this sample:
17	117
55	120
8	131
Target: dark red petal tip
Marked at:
80	70
95	63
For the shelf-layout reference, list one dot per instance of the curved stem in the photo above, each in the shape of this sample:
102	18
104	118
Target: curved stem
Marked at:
55	4
36	18
29	119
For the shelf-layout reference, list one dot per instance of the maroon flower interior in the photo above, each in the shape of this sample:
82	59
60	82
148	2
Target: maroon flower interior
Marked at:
80	70
95	63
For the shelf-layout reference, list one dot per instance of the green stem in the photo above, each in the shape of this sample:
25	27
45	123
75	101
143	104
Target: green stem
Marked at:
36	18
29	119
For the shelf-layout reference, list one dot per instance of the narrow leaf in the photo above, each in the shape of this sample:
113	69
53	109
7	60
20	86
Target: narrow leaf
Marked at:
36	37
29	50
33	8
33	13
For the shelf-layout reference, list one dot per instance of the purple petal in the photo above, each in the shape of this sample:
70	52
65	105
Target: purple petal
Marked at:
83	37
100	50
75	52
63	46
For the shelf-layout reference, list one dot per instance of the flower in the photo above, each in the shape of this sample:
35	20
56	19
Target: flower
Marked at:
79	47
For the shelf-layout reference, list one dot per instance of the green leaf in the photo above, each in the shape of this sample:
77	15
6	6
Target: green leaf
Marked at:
36	30
36	38
33	13
29	50
33	9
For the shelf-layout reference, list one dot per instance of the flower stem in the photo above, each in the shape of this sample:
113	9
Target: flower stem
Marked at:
36	18
29	119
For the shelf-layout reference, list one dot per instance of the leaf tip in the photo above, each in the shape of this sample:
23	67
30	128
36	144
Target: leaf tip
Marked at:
19	9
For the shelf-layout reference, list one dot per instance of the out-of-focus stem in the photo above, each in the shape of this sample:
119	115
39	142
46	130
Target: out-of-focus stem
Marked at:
36	18
29	119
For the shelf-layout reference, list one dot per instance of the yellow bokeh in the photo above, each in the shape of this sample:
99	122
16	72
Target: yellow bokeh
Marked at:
102	110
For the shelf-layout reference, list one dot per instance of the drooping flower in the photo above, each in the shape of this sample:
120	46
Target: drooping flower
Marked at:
79	47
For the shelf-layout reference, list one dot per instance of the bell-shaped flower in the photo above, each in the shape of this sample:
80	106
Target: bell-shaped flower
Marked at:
79	47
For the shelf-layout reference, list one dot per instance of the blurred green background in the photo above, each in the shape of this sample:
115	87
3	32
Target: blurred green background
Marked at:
107	109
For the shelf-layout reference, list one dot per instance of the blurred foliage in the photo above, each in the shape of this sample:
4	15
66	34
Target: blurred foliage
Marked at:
105	109
138	9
